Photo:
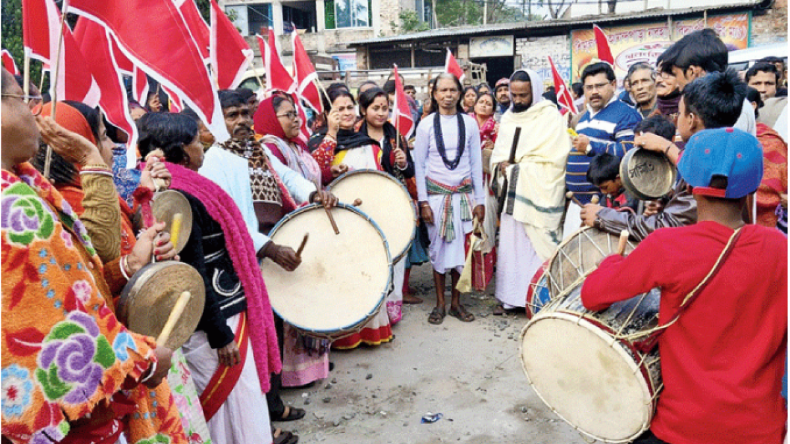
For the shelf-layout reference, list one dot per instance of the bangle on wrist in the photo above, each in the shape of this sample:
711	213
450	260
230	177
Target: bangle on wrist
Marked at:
151	371
124	265
666	150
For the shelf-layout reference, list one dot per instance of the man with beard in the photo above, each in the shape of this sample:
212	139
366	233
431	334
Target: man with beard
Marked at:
265	190
531	222
502	96
642	78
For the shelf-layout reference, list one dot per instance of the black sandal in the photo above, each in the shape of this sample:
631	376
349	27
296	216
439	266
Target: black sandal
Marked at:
284	437
437	316
290	414
461	314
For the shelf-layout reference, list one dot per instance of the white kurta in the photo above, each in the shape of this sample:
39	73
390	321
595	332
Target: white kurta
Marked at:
428	163
244	417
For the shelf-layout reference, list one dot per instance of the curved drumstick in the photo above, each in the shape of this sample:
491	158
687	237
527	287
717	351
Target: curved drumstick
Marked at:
301	246
570	196
178	310
621	244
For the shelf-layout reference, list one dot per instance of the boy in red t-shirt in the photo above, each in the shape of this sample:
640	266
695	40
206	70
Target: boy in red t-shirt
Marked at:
722	360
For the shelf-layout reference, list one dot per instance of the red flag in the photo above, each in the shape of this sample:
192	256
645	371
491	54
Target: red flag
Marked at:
564	97
139	86
400	109
175	105
124	64
451	65
604	53
277	77
9	63
94	40
41	32
305	74
230	54
162	46
197	26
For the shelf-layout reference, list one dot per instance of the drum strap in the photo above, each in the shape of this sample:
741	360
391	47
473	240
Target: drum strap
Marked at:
224	379
648	343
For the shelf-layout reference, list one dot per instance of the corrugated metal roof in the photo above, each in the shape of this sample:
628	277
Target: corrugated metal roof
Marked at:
546	24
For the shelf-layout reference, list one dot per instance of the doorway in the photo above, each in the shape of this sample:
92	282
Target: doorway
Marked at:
498	67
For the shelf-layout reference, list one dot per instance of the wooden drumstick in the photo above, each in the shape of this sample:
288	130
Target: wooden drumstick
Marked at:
178	310
175	228
621	244
595	199
331	220
570	196
301	246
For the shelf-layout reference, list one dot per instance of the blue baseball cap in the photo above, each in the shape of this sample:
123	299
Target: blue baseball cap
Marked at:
727	152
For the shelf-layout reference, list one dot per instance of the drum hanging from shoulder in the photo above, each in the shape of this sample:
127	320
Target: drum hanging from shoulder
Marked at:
584	365
647	174
386	201
578	255
343	278
150	295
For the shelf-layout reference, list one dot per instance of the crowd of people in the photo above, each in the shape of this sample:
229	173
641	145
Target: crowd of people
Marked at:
505	158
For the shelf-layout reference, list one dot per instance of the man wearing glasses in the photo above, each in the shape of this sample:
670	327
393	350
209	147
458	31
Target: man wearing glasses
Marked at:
606	127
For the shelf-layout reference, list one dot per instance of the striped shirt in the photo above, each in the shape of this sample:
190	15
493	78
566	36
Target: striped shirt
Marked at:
607	130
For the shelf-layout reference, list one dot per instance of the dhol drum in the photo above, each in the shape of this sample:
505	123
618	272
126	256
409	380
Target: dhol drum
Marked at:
151	294
386	201
342	280
578	255
585	367
538	291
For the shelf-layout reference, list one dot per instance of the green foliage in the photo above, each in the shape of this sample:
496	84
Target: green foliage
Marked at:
204	6
409	22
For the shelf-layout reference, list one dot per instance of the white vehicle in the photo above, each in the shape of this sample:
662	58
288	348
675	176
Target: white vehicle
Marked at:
743	59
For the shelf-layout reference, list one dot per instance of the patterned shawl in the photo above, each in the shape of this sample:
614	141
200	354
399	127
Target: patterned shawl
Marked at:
239	244
63	350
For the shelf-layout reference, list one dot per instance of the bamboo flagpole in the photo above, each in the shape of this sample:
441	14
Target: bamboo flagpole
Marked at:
56	71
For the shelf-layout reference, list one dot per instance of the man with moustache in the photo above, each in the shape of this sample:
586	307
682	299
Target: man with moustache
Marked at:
265	190
642	78
502	96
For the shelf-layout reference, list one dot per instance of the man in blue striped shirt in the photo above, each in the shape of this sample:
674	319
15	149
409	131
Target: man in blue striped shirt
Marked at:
606	127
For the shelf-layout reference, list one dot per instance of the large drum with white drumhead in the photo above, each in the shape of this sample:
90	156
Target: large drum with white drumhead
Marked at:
577	256
386	201
585	367
343	278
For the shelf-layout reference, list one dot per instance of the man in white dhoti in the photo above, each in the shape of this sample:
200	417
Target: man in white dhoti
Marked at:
449	173
530	225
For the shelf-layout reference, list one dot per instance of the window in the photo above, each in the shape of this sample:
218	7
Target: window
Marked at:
348	14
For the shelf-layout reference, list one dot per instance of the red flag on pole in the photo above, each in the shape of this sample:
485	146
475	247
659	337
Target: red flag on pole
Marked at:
197	26
162	46
41	35
230	54
604	52
451	65
564	97
9	63
94	40
139	86
277	77
400	109
305	74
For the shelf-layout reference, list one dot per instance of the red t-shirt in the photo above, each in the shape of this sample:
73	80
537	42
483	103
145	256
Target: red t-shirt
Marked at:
722	361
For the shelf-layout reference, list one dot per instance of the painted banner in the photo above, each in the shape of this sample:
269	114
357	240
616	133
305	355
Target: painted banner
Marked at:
644	43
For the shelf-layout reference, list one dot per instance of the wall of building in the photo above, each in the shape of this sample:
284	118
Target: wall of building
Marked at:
771	25
534	53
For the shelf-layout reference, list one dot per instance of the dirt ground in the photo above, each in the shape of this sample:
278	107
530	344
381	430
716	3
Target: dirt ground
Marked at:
469	372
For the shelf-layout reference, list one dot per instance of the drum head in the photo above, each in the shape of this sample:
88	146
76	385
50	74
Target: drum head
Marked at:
587	378
151	294
167	204
386	201
578	255
343	279
647	174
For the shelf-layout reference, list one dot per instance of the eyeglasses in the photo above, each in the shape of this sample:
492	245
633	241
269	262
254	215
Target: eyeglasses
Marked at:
27	98
291	115
597	86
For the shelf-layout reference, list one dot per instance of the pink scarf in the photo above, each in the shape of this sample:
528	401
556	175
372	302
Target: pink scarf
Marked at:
263	336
